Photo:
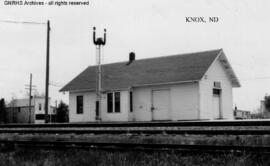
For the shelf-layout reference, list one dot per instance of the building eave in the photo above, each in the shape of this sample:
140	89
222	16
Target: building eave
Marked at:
228	68
133	86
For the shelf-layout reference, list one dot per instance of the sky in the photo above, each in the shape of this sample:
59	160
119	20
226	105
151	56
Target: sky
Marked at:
150	28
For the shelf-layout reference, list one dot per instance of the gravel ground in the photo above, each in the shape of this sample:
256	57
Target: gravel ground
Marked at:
250	140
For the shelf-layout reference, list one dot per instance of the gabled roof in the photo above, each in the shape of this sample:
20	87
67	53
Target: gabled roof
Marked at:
20	103
24	102
160	70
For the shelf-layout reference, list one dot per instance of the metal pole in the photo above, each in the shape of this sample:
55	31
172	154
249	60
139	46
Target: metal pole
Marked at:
30	96
47	73
99	82
98	42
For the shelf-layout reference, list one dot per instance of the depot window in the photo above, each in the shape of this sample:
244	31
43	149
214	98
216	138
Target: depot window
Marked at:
39	107
113	102
130	101
110	102
79	104
40	116
216	91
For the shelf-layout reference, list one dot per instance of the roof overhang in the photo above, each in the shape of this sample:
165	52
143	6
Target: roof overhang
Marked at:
134	86
94	90
228	68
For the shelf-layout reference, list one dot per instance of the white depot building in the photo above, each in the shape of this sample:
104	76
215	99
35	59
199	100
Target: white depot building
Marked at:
192	86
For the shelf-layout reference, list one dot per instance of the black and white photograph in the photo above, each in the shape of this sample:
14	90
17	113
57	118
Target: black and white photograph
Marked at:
134	83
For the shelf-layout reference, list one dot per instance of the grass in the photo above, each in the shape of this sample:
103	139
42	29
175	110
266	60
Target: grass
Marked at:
103	158
76	157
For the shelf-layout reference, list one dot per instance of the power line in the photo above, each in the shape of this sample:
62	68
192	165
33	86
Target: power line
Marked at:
256	78
47	59
22	22
54	84
241	78
57	83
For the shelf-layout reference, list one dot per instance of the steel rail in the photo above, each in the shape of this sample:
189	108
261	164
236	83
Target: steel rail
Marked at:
134	131
136	146
146	124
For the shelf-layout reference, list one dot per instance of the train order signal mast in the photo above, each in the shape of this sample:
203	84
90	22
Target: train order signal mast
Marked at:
98	42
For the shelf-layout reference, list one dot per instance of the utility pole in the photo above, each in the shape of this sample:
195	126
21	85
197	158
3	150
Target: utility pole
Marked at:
47	59
30	87
30	96
56	104
98	42
47	73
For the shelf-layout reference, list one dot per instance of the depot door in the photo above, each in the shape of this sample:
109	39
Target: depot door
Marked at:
216	104
161	104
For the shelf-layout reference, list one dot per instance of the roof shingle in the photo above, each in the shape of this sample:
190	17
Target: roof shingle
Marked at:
175	68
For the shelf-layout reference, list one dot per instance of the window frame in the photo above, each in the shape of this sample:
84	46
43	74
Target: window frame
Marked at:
216	92
39	106
40	117
131	101
79	104
217	84
110	104
115	103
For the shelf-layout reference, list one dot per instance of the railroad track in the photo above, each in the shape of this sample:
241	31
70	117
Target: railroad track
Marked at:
146	124
137	128
137	132
187	127
135	146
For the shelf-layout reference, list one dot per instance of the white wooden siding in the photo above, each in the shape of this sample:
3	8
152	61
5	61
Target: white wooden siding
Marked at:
216	72
184	102
124	108
89	112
